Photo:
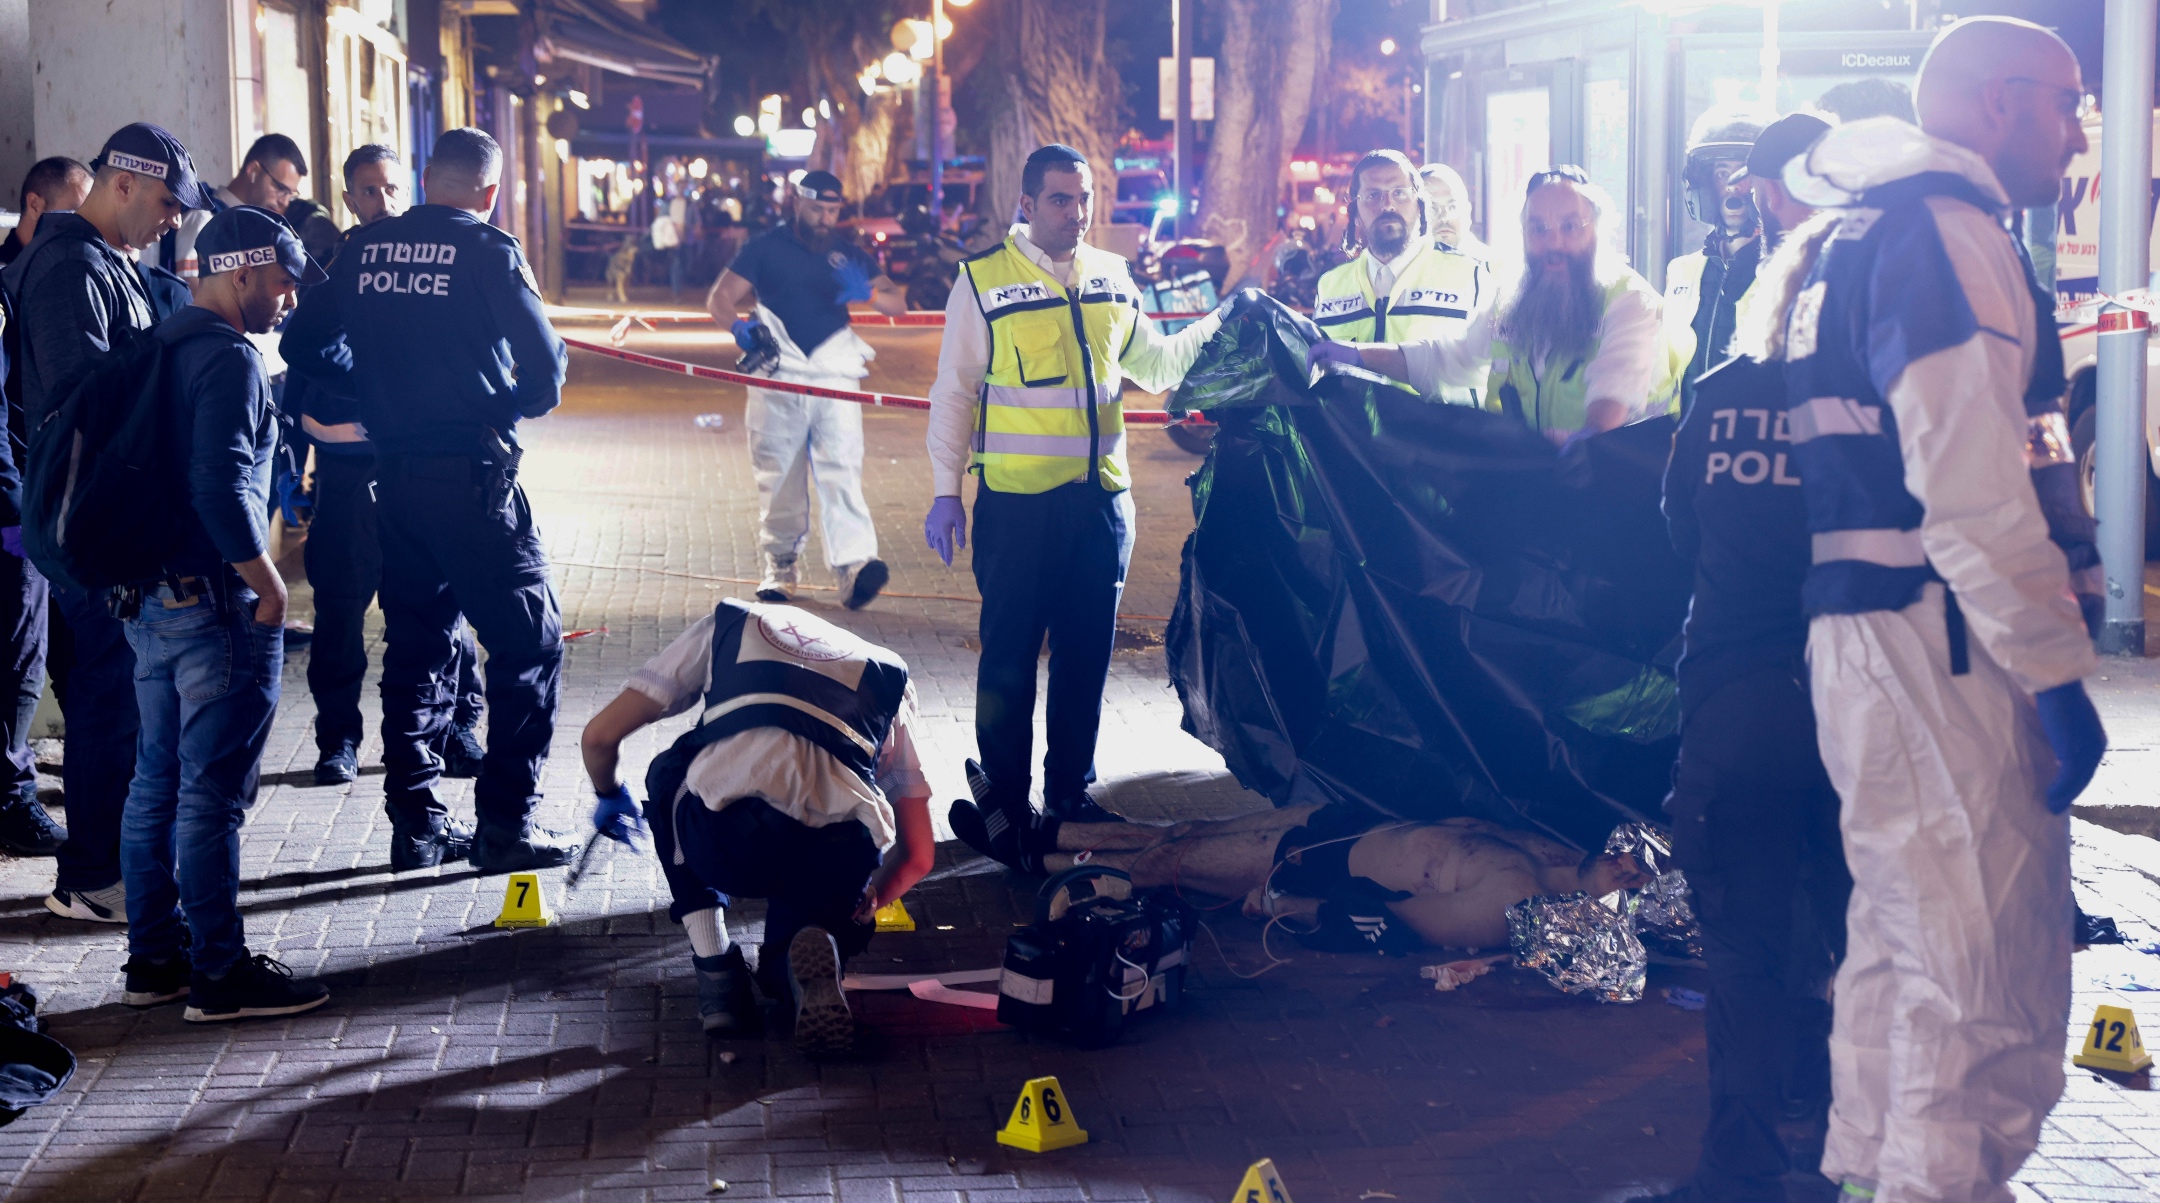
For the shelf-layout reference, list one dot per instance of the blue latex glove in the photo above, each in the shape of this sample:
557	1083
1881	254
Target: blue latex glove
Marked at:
11	541
2073	728
618	816
292	497
945	528
854	282
743	332
1328	351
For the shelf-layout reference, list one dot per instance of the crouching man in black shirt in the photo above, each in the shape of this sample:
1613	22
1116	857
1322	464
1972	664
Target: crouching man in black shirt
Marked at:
209	645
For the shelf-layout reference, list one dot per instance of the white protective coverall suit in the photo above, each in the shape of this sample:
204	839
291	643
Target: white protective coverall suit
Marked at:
1953	1001
796	440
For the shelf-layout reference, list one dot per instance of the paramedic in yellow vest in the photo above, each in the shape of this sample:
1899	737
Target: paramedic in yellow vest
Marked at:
1572	347
1402	284
1041	334
1703	288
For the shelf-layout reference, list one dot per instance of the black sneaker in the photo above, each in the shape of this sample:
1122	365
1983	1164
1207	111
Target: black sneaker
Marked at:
978	780
338	765
725	1005
26	829
537	848
991	832
824	1027
155	983
1081	809
429	849
256	987
867	582
461	754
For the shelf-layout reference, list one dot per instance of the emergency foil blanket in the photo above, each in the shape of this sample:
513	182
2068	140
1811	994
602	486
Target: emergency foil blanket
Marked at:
1419	607
1580	944
1664	916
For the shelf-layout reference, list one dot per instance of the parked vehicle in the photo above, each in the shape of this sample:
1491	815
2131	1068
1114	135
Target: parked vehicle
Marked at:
2077	283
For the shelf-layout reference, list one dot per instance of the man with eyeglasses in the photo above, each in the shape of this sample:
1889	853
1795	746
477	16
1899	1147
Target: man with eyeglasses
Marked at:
1945	650
269	178
1402	283
1572	349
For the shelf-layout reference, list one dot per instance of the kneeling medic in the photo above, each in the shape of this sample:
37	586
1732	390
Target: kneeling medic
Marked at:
799	784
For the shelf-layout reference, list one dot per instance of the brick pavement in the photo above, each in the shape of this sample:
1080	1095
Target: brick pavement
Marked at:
566	1063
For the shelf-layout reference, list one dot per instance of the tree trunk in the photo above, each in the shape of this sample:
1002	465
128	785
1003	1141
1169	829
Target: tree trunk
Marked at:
1273	52
1051	84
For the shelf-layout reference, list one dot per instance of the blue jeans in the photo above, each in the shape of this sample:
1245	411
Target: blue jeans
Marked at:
207	686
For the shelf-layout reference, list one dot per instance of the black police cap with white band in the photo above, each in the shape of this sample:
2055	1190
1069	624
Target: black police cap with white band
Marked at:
151	150
245	236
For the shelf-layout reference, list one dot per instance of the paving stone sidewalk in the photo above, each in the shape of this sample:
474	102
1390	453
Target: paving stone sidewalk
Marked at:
457	1060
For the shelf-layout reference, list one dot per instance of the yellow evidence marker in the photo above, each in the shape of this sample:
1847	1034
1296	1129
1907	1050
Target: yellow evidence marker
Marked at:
2111	1043
525	904
1261	1185
1040	1120
893	916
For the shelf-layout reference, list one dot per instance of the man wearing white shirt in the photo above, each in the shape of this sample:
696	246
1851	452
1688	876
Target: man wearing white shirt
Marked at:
1575	347
1041	333
1404	283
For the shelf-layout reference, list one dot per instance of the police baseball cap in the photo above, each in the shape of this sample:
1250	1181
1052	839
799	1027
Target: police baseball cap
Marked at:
820	186
1780	143
151	150
245	236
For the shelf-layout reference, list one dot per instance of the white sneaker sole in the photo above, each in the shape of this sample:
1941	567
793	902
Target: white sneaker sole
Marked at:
824	1027
197	1015
151	998
76	908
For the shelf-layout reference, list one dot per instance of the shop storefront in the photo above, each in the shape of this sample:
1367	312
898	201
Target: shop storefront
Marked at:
1615	89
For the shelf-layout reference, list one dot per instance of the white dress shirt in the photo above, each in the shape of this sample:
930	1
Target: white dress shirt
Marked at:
1152	360
1623	369
1384	273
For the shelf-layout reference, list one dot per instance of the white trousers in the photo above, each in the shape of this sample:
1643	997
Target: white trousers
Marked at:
798	441
1953	1002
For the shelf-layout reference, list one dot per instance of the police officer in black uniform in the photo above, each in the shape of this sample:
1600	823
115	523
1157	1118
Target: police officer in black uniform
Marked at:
450	347
1755	820
343	554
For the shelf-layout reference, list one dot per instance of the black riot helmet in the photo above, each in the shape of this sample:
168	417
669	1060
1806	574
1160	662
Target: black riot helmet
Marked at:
1717	148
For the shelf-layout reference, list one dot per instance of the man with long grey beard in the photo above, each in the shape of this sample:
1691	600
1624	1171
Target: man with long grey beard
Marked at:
1574	348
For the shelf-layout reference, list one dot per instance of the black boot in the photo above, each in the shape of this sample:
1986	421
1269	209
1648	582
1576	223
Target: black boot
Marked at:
338	765
521	851
431	848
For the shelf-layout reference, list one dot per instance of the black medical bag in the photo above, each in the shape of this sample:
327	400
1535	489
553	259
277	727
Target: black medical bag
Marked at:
1095	955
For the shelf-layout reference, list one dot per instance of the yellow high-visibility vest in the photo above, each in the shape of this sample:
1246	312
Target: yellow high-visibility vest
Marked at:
1433	299
1559	399
1050	411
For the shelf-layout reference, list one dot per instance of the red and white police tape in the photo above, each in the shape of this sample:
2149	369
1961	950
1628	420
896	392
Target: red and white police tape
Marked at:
1133	417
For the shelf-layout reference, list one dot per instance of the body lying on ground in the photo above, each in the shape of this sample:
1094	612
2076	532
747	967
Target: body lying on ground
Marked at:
1337	875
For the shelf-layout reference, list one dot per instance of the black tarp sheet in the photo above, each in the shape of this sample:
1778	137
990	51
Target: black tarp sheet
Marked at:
1420	607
